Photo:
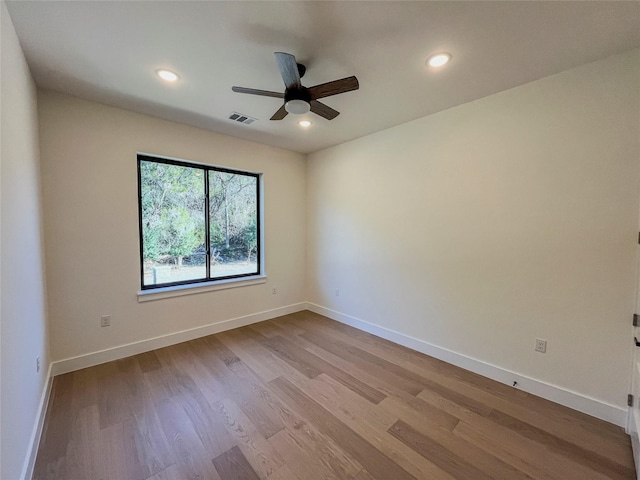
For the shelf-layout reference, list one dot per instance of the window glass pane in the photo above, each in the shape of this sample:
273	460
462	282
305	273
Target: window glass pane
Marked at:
233	222
173	223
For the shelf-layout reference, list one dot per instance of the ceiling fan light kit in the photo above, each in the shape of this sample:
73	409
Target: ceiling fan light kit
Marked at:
299	99
297	107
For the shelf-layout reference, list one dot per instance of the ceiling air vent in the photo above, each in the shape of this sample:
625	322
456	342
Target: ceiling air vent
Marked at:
240	117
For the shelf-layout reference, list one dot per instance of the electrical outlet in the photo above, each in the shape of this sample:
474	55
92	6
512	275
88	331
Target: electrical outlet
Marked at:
274	290
105	321
337	292
541	345
37	364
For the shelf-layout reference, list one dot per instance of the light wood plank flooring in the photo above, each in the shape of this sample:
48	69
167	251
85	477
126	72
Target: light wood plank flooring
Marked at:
303	397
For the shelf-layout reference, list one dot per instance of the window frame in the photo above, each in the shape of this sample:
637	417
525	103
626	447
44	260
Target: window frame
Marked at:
208	280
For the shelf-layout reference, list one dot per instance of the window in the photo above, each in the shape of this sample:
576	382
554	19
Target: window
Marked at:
197	223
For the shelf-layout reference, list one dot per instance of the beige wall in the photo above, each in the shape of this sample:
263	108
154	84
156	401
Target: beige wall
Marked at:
23	329
91	224
483	227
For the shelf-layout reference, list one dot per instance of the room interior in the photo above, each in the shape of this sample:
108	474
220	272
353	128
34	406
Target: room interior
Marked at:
462	212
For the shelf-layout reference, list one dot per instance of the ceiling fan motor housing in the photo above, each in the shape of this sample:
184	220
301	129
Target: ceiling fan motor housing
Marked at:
297	94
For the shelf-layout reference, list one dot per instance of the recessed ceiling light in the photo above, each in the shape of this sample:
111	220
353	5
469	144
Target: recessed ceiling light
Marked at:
439	59
167	75
304	123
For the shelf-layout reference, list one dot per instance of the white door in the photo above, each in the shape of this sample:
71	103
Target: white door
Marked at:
634	418
634	411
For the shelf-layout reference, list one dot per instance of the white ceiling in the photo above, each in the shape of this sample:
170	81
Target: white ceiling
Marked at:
108	52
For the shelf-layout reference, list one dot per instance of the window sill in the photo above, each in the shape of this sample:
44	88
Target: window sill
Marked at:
180	290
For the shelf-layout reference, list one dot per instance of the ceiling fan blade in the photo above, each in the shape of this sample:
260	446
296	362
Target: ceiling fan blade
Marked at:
323	110
253	91
334	88
289	70
280	114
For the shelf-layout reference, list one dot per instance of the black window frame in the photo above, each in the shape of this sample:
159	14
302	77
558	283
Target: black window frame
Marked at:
206	169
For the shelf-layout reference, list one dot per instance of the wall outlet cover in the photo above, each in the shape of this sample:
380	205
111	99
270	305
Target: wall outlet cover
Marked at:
541	345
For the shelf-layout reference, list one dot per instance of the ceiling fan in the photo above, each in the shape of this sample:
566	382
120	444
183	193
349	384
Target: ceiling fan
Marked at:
298	99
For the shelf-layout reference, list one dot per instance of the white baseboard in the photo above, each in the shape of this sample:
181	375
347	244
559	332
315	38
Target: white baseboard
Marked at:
36	434
582	403
122	351
568	398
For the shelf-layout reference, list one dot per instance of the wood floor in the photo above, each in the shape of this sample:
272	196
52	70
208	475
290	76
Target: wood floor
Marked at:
303	397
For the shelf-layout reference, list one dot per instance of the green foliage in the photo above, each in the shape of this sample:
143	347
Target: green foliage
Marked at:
233	213
182	235
150	247
173	220
172	210
250	236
